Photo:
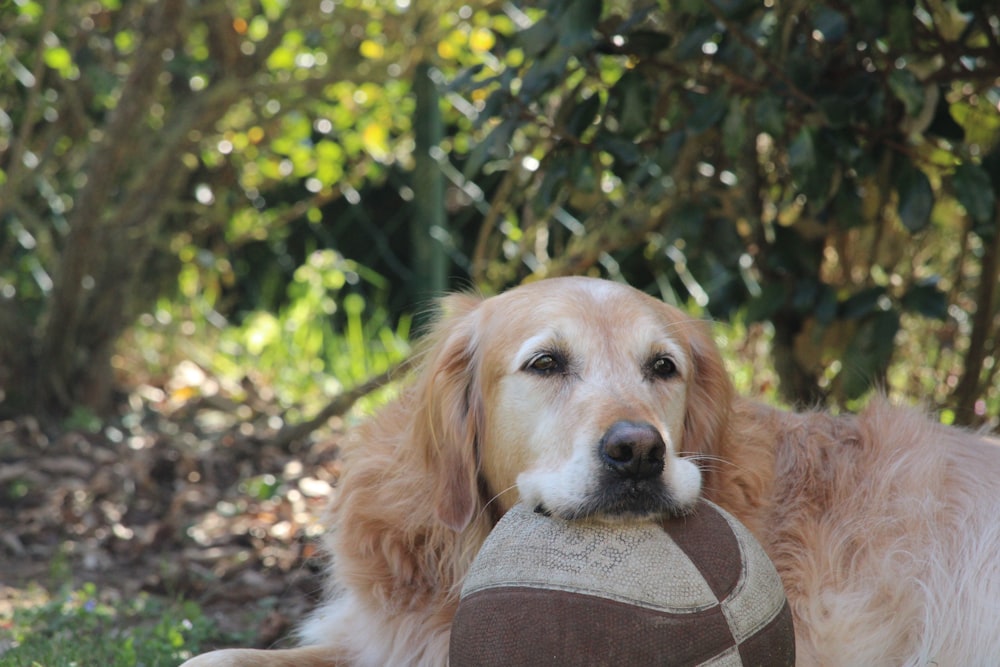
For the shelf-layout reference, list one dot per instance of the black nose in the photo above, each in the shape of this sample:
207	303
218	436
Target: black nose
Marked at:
633	450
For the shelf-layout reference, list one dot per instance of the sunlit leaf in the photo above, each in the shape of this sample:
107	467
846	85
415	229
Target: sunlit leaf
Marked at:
481	39
281	58
258	28
29	10
273	8
125	41
376	140
371	49
59	59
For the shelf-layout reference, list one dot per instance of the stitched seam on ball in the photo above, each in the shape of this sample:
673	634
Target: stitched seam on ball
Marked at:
746	543
549	586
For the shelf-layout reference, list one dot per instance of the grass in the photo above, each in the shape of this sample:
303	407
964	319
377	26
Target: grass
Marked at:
80	629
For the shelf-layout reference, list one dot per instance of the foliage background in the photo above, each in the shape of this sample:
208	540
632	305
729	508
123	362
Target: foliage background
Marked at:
222	222
289	183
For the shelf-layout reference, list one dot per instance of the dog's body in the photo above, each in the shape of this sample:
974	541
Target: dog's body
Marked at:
585	397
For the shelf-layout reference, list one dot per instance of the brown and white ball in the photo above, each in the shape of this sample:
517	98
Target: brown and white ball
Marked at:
695	590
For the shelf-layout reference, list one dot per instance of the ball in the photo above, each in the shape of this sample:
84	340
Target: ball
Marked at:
693	590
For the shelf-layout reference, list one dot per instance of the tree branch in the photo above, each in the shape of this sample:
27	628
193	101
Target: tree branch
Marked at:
969	386
341	404
15	163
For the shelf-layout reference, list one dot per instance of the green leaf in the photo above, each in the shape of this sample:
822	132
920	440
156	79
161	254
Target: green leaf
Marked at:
974	191
282	58
644	43
493	145
125	41
631	102
769	113
869	353
830	23
464	79
905	85
29	10
847	206
537	38
669	150
991	165
805	295
691	44
544	74
793	254
944	124
901	27
863	303
582	115
707	110
273	8
763	306
59	59
927	299
734	130
916	198
812	169
837	109
802	154
735	9
556	173
622	150
578	22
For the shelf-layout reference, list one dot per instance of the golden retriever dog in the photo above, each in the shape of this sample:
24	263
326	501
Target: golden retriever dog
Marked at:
585	397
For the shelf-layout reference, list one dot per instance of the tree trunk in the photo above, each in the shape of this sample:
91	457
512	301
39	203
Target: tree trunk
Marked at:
970	387
104	250
429	227
117	225
797	385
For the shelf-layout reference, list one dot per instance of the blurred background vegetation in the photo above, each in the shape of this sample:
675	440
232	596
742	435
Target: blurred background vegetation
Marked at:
260	197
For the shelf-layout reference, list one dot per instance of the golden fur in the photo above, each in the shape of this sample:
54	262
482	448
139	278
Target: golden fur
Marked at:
885	527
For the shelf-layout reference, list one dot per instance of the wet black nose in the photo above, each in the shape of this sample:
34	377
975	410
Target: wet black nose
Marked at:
633	449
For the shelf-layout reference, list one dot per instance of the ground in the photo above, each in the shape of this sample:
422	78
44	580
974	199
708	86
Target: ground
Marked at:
175	499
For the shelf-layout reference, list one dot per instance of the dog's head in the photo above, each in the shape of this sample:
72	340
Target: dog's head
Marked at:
576	395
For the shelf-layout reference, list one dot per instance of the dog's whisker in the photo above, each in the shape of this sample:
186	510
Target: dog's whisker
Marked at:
496	497
705	460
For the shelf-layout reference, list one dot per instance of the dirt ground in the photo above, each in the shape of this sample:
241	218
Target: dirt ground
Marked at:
176	500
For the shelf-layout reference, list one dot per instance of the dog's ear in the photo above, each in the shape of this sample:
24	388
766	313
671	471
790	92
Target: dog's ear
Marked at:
449	411
710	393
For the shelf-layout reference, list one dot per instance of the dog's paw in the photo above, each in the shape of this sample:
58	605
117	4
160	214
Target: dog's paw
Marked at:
307	656
230	657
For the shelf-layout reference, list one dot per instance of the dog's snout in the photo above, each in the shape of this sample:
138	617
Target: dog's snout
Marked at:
633	450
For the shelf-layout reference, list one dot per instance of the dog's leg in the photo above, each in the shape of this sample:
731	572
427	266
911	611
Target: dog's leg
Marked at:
309	656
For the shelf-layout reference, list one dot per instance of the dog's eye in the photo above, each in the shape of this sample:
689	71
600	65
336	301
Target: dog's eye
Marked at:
663	368
545	364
